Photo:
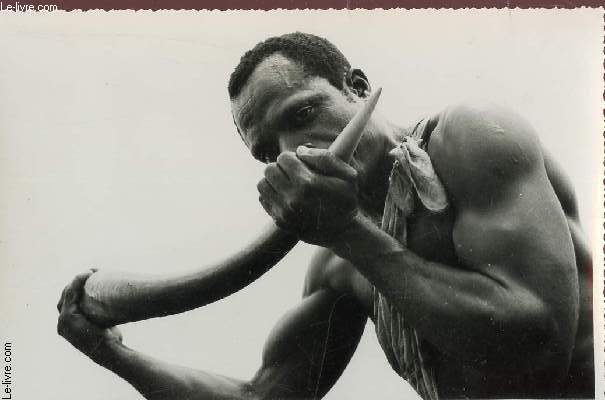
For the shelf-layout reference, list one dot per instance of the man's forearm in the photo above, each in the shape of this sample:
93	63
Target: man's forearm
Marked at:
157	380
461	311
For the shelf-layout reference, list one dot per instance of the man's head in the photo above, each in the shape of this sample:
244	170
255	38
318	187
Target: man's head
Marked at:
298	89
316	55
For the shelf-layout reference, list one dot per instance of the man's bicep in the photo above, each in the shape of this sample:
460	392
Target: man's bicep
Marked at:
519	239
523	243
509	223
508	213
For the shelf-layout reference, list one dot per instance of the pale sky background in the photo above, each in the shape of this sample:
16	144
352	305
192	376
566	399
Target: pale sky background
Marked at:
117	150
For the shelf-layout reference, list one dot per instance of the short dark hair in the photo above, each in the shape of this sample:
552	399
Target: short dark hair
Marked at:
316	55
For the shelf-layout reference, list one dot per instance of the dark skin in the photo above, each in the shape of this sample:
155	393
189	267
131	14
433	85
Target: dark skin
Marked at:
498	285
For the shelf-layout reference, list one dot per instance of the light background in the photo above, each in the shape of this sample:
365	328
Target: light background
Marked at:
117	150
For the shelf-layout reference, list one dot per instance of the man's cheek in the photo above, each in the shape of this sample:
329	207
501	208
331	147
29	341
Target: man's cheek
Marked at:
328	126
369	146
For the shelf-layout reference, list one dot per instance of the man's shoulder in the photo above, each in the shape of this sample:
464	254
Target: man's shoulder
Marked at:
485	132
478	146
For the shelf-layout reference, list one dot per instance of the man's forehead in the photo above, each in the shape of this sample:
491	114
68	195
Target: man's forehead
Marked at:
273	77
279	70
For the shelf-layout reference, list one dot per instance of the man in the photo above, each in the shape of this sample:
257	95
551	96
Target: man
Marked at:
486	296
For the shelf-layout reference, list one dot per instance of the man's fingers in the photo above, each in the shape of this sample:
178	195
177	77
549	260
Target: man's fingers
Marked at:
75	287
266	190
69	311
74	290
326	163
61	299
270	195
272	202
272	213
277	218
293	168
79	280
276	177
265	205
338	185
70	320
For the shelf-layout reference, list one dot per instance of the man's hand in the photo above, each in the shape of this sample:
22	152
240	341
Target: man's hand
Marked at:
311	193
85	336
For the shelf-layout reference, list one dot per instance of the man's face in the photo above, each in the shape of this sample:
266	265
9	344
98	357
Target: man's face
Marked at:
281	108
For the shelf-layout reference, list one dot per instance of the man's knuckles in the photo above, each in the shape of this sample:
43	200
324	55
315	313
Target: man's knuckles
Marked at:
271	170
287	159
264	188
290	164
319	159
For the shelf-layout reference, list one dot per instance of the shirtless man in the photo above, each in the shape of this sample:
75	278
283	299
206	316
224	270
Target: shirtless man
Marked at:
496	288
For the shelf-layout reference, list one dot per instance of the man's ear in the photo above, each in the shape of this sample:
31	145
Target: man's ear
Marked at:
357	82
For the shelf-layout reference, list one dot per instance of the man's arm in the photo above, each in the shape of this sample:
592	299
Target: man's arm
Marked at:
512	300
303	357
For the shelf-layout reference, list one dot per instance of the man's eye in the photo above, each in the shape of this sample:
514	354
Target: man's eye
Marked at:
304	113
